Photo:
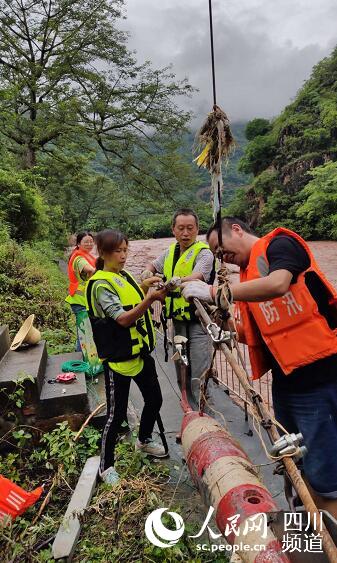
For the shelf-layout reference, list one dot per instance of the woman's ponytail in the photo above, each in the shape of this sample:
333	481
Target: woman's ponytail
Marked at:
99	263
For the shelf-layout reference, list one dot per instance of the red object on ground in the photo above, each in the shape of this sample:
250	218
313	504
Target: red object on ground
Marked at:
66	377
14	500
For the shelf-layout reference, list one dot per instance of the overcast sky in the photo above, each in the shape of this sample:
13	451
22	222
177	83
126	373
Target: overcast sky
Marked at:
265	49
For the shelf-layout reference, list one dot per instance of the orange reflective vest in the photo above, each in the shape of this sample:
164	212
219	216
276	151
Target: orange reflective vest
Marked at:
291	326
73	281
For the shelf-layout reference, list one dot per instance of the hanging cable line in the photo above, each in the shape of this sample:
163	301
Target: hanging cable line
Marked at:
212	50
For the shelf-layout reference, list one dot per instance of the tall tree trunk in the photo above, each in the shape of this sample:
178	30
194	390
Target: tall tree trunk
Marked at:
29	157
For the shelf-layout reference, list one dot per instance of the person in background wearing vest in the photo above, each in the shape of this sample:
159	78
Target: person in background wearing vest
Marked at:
187	259
124	335
81	265
288	319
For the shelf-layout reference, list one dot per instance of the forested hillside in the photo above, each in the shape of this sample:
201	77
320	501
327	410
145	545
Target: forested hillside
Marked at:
89	136
293	159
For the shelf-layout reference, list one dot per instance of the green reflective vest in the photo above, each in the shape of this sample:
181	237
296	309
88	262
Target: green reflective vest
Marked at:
176	306
114	342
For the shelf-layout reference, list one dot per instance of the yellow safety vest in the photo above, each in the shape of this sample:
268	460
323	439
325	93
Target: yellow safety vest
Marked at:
114	342
176	306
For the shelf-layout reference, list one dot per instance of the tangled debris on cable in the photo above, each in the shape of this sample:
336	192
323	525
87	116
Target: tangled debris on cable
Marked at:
216	138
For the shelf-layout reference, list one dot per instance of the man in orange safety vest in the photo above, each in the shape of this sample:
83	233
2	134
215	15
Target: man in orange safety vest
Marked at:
288	319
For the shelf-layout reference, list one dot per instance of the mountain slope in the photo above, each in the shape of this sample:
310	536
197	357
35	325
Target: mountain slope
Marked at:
293	160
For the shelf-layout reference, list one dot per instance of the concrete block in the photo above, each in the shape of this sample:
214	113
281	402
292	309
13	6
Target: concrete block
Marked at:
24	361
57	398
4	340
66	538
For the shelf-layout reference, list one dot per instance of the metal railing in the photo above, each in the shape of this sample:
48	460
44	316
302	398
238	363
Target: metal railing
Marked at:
227	377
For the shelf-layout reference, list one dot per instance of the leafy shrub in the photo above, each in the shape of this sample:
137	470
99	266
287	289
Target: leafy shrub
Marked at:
59	448
21	207
318	209
243	205
257	126
258	155
159	225
31	282
55	458
51	450
265	183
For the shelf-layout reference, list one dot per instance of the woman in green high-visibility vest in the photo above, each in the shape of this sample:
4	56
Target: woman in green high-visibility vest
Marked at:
124	335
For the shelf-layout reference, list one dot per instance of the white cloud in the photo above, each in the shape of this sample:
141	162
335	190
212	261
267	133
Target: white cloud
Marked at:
265	49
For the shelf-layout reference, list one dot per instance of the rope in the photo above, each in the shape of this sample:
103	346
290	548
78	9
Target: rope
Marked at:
218	218
256	426
177	485
167	377
251	404
255	420
256	423
78	366
214	410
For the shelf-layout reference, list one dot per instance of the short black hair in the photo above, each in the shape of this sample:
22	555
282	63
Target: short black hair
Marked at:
185	211
79	237
227	223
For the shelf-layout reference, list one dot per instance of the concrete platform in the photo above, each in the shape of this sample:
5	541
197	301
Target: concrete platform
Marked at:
57	398
17	364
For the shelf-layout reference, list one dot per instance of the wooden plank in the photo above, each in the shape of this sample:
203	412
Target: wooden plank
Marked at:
66	538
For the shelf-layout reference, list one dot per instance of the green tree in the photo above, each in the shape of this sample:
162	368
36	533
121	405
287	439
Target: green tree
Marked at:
257	126
258	155
65	72
22	208
318	210
284	155
94	196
